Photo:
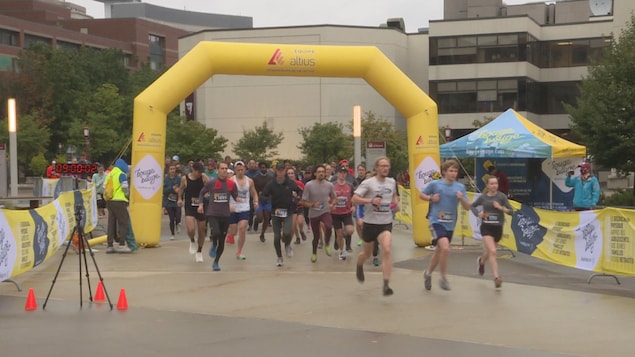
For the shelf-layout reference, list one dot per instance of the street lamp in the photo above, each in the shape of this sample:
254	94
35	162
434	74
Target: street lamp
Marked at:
357	133
447	131
13	147
59	149
86	142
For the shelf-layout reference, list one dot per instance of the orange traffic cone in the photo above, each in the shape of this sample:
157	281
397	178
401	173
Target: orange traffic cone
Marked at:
31	304
122	304
99	293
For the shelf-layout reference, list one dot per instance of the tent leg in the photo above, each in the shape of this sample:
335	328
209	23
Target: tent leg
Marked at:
603	274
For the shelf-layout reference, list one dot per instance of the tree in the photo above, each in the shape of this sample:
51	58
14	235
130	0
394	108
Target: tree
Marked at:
259	143
604	114
378	129
325	142
191	140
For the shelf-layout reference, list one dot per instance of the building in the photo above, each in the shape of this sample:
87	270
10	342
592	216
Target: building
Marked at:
145	33
481	59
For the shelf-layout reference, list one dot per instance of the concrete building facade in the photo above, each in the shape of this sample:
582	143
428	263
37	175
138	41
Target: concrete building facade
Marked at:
481	59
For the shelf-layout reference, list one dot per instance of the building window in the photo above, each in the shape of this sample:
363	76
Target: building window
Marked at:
482	96
32	39
68	46
157	51
8	38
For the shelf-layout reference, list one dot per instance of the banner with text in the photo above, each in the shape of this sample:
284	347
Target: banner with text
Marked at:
28	237
599	240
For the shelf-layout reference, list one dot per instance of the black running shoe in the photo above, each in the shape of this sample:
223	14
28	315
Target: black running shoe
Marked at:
360	273
387	290
303	235
336	246
262	238
297	240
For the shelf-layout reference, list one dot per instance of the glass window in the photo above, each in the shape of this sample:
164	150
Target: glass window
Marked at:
486	85
466	41
467	86
446	42
8	38
510	39
487	40
507	84
446	87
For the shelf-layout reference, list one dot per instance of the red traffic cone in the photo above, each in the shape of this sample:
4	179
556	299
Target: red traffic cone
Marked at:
31	303
99	293
122	304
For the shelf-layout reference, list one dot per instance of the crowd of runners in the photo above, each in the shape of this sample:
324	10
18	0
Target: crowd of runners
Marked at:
224	200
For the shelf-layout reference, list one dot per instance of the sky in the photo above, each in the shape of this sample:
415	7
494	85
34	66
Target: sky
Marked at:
272	13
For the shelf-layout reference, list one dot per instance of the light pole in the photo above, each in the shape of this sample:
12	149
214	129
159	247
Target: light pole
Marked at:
59	149
86	143
357	134
13	147
447	131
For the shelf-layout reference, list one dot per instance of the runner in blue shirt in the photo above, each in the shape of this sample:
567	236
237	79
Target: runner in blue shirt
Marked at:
444	196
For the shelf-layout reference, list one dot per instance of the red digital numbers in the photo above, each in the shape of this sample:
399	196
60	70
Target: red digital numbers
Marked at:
74	169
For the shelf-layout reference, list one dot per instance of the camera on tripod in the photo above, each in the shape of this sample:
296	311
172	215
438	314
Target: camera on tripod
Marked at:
80	214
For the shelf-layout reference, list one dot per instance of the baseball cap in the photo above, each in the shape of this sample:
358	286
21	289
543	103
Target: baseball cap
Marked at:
585	165
175	157
343	162
280	165
342	169
239	163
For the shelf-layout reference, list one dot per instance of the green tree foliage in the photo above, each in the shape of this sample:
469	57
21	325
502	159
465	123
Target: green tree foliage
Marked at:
259	143
378	129
31	136
38	165
325	142
604	114
191	140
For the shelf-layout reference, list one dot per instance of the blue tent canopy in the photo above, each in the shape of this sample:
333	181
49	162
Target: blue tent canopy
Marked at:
511	135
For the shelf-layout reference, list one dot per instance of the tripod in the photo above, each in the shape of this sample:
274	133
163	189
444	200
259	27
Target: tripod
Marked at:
83	245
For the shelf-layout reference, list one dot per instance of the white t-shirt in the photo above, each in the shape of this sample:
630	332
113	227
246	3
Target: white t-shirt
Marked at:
372	187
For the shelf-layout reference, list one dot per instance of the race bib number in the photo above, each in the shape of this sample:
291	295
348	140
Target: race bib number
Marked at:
280	212
446	216
195	201
491	218
341	202
320	206
384	207
172	197
100	196
221	197
242	194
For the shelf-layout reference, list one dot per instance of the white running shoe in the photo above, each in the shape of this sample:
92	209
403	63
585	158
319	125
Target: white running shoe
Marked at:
289	251
172	237
193	247
199	257
343	255
279	263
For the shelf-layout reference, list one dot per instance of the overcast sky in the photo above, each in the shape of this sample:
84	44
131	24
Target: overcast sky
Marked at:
271	13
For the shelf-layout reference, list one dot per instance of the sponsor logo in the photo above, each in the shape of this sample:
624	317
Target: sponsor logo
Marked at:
277	58
154	139
419	141
147	179
142	137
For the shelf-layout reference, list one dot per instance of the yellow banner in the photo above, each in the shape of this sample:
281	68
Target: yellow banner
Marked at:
405	213
599	240
28	237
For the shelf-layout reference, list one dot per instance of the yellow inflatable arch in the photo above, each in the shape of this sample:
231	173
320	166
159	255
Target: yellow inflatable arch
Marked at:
209	58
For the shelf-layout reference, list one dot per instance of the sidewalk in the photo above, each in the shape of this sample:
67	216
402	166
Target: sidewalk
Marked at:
253	307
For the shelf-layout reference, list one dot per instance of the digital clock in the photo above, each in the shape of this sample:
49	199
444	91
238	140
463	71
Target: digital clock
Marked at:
76	169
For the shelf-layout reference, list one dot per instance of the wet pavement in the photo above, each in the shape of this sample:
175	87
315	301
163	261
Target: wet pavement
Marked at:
253	308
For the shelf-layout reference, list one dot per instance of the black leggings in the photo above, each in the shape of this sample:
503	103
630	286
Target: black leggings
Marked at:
175	217
219	225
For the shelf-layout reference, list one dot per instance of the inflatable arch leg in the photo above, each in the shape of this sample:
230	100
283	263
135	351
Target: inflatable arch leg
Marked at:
209	58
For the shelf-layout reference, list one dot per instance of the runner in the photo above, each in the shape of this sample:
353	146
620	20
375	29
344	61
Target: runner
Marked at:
284	194
377	194
319	197
189	189
263	212
297	224
171	184
240	210
341	214
492	203
217	210
444	196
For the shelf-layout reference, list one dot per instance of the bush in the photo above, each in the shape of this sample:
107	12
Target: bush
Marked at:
38	164
622	197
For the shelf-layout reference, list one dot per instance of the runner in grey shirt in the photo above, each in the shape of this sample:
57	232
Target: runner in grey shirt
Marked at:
378	194
319	196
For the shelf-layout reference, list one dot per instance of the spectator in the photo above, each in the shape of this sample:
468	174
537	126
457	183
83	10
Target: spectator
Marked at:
586	188
50	171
